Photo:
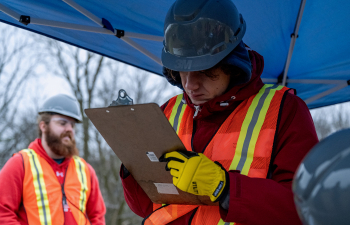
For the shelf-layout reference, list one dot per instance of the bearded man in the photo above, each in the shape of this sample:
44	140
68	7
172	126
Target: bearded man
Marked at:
48	183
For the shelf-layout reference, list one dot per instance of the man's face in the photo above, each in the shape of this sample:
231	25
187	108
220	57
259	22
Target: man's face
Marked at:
59	135
200	88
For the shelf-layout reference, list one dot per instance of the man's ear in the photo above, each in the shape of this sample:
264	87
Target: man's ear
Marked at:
42	126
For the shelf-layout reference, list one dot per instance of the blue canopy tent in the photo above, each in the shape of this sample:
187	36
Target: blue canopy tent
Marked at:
305	44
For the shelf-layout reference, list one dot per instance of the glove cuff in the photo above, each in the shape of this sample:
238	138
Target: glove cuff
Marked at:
227	184
226	188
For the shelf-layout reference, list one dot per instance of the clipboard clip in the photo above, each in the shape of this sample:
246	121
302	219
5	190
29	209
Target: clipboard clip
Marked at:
123	99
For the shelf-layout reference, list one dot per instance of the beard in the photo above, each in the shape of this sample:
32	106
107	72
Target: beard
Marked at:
65	148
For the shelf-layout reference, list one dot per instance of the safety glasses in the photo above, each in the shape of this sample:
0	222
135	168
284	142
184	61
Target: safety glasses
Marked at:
63	122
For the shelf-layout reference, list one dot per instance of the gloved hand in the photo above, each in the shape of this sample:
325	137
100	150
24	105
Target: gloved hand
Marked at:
196	174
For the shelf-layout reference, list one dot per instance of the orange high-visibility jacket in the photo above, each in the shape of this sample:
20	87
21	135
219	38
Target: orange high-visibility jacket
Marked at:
43	194
244	142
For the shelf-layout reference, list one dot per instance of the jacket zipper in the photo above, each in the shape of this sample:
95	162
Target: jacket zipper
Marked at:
198	108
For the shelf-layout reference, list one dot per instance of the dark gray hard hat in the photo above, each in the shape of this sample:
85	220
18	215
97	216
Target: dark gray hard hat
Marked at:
198	34
322	183
64	105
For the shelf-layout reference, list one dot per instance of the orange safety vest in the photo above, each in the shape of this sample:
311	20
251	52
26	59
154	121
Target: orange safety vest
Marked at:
243	142
42	192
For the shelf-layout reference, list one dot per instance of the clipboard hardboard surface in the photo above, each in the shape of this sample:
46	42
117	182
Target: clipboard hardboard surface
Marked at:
135	132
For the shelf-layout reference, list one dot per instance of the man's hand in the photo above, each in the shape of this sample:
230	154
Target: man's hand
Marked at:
196	174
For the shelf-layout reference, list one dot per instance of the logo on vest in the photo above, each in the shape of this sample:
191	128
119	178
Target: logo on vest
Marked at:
183	64
59	174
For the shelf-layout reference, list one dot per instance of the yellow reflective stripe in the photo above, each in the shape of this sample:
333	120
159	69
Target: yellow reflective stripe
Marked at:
80	168
180	117
174	109
39	187
244	129
257	129
221	222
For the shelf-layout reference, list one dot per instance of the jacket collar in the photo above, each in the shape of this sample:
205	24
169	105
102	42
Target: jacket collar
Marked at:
39	149
235	95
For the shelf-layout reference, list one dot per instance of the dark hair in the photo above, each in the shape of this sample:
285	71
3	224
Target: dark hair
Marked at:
46	117
238	76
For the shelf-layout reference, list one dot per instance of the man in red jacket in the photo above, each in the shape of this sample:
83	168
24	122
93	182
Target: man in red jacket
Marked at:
48	183
244	138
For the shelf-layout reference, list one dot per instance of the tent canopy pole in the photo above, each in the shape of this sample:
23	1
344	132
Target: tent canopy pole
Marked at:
84	12
340	85
52	23
125	35
325	93
294	36
9	12
126	39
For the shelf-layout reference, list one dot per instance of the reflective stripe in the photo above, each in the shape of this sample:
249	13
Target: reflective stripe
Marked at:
40	188
177	113
259	120
251	127
181	111
247	134
80	168
174	113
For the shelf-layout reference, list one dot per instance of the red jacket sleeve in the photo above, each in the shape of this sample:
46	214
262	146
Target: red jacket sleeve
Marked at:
270	201
135	197
11	184
95	207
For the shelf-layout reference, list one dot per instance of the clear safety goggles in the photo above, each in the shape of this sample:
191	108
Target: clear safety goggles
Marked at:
202	37
64	122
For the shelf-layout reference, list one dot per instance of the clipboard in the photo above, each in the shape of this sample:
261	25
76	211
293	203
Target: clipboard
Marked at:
139	135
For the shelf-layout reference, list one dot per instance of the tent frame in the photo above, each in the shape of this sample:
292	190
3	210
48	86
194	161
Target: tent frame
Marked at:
106	28
340	84
293	39
103	29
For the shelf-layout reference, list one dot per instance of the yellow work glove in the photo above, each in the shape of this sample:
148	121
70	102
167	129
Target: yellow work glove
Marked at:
196	174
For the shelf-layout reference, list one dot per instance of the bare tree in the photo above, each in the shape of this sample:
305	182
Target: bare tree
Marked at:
17	65
145	88
95	82
331	119
81	70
